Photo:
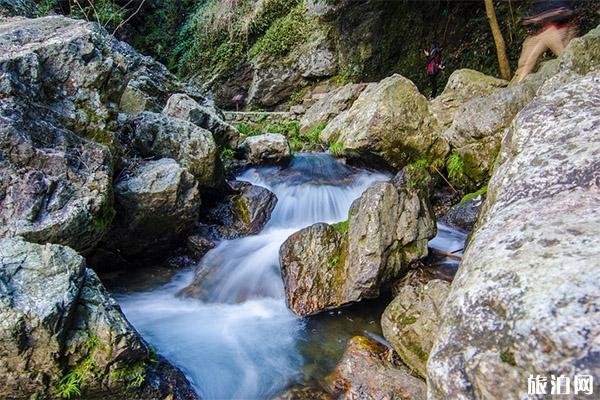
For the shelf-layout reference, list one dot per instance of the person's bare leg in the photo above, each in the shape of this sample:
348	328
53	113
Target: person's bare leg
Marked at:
555	39
533	48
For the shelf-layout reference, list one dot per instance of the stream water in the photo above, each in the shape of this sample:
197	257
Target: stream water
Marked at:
240	341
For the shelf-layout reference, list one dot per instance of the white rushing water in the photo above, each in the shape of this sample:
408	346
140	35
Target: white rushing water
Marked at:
241	342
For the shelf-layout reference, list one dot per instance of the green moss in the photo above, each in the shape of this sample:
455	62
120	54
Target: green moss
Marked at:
241	208
283	35
72	381
132	375
336	149
342	227
105	216
227	154
455	166
314	133
508	357
334	261
408	320
248	130
471	196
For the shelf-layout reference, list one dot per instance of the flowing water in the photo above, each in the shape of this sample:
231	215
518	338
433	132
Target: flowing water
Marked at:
240	341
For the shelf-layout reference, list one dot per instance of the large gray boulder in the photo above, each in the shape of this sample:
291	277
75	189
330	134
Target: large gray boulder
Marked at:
332	104
463	85
327	266
525	298
390	121
157	204
268	148
62	334
369	371
183	106
194	148
54	186
410	322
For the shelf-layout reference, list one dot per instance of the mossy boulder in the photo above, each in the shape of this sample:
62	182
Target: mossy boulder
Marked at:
326	266
390	122
244	213
410	322
62	334
369	370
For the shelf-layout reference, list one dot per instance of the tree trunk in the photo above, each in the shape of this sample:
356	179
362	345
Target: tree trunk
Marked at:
498	39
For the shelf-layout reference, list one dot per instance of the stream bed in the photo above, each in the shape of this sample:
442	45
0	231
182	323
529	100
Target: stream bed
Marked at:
240	341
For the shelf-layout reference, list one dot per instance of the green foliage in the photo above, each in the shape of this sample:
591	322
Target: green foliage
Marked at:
71	382
314	133
249	130
508	357
283	34
342	227
133	375
227	154
334	261
105	12
45	6
418	173
474	195
270	10
455	166
336	149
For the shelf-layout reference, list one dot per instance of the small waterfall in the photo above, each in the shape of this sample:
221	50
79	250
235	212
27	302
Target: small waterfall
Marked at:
240	341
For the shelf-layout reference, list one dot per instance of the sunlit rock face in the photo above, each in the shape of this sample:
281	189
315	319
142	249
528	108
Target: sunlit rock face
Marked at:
525	298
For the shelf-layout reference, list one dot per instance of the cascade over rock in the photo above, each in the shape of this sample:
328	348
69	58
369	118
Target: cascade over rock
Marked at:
58	318
325	267
390	122
525	298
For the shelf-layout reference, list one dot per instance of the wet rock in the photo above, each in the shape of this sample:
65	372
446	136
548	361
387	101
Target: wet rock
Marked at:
390	121
157	135
313	268
524	299
325	267
156	205
410	322
462	86
268	148
464	215
184	107
242	214
303	393
329	106
54	186
199	245
59	321
368	371
273	84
